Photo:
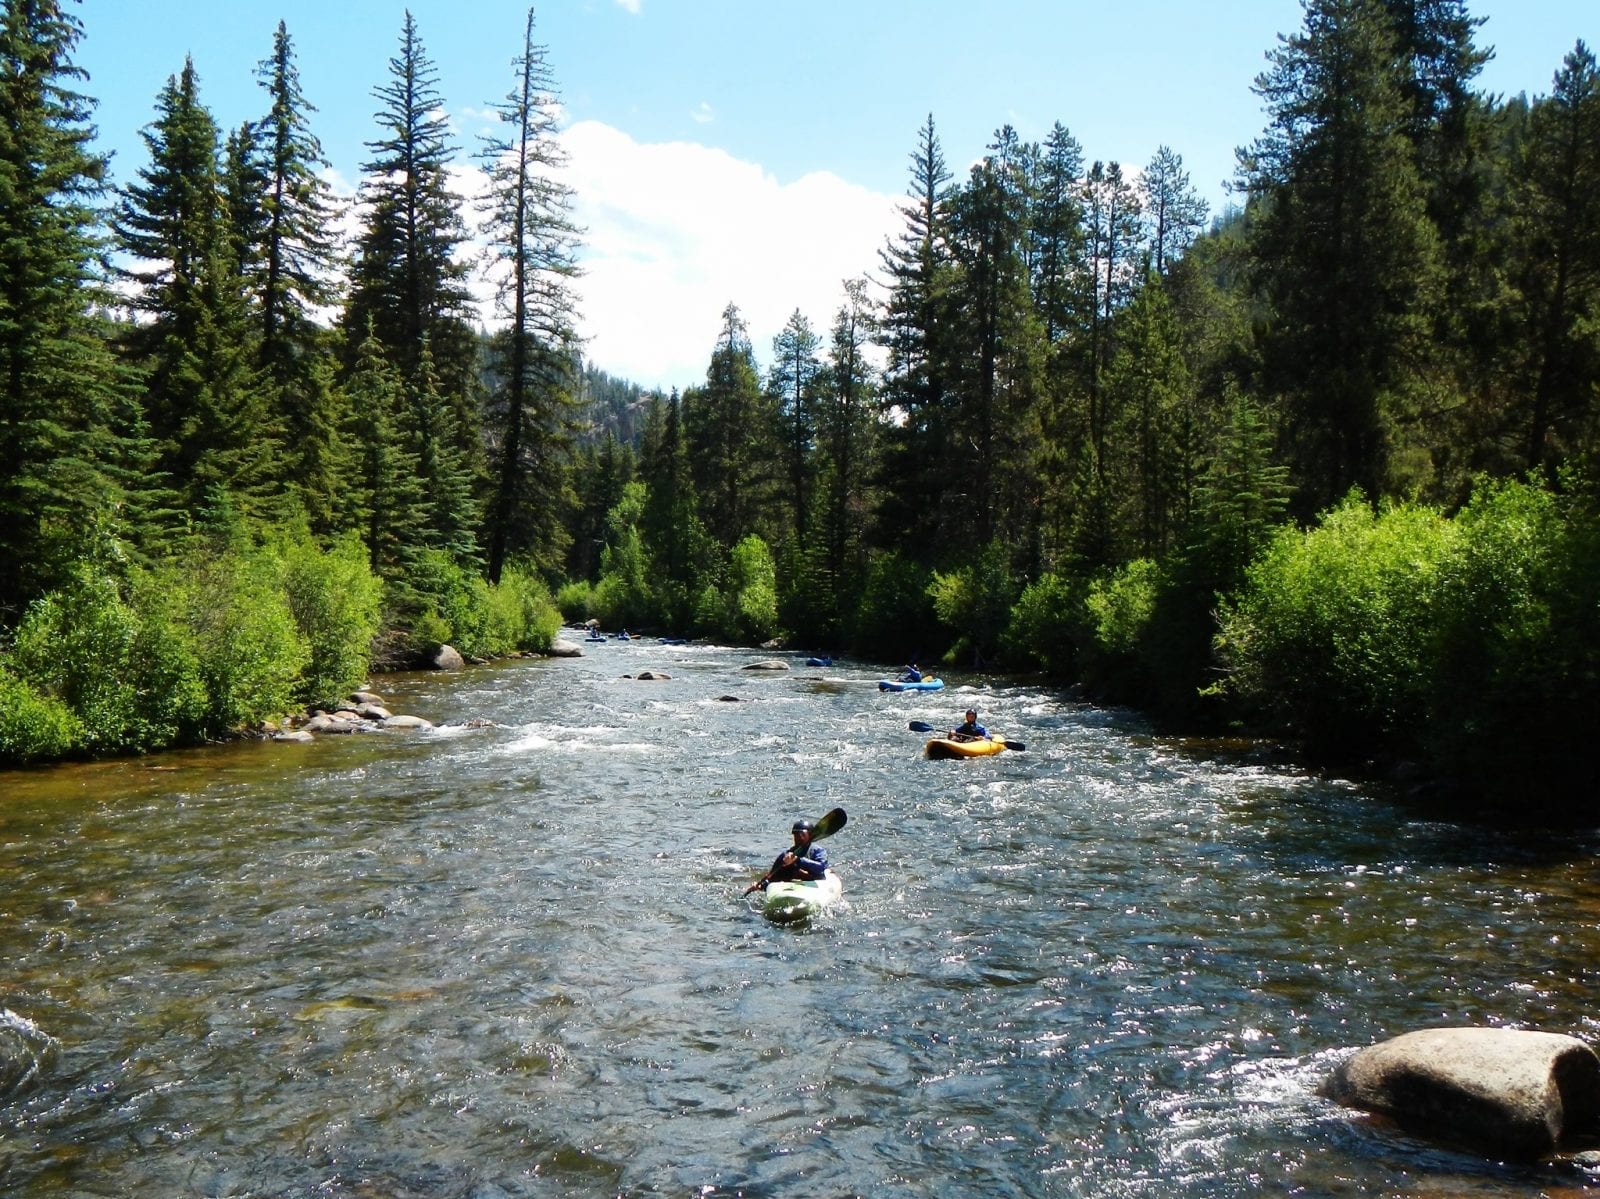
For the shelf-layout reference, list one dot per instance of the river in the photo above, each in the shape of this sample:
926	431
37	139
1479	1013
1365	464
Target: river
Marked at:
514	959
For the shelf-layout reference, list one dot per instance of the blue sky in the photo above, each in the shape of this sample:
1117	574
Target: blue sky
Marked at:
752	152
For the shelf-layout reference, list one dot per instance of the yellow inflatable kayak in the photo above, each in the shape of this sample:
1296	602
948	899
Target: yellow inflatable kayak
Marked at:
978	747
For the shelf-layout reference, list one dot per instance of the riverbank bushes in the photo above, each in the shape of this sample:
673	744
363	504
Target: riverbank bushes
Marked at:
125	659
1470	645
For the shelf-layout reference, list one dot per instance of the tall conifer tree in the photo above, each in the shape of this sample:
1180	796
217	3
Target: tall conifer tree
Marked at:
69	430
192	344
408	282
915	333
728	424
535	357
999	345
793	380
294	261
1557	268
1343	247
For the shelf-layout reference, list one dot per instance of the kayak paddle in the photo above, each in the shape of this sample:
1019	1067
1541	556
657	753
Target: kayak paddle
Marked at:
922	726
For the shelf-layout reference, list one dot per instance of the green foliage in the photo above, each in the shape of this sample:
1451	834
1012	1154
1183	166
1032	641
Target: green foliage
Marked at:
575	601
745	609
624	595
1333	635
1044	625
522	615
1516	686
336	601
234	613
74	645
974	602
70	455
896	616
34	727
1118	609
754	587
452	604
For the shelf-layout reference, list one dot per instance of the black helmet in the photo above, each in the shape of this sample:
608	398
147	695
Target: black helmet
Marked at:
801	826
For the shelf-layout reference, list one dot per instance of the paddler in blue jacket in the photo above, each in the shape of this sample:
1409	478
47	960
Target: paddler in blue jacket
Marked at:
911	674
970	730
804	860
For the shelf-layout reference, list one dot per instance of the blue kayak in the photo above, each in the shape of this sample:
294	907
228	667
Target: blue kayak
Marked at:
819	661
925	685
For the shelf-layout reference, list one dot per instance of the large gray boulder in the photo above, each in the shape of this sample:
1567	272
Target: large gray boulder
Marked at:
447	657
1508	1093
768	664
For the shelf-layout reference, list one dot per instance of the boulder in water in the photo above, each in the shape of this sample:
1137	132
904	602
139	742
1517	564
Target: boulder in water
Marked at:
1510	1093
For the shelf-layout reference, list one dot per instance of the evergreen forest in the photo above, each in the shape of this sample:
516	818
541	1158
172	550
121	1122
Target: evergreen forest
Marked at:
1320	467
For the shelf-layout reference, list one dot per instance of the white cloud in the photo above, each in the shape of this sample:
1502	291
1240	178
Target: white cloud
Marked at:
704	114
677	231
631	5
674	232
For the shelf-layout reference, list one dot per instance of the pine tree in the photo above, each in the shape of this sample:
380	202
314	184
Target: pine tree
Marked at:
71	453
1556	271
407	281
1063	298
999	347
1112	219
445	477
1173	211
192	344
678	544
1345	253
846	428
914	332
728	424
793	382
534	358
386	498
294	260
1150	391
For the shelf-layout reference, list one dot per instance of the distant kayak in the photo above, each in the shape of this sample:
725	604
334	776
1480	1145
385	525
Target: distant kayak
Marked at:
925	685
819	661
787	902
981	747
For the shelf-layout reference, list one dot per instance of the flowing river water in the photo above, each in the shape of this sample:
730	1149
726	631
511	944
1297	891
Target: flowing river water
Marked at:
514	960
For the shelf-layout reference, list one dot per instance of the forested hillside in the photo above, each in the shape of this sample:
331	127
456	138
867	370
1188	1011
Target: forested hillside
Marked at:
1322	464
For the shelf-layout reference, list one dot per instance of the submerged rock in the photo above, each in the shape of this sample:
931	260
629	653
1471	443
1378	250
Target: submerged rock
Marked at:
1505	1092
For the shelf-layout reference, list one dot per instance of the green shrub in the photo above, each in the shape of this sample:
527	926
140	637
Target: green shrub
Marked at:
575	601
34	727
1117	610
521	612
1334	634
1517	684
250	653
1044	624
442	602
754	590
75	645
336	601
974	602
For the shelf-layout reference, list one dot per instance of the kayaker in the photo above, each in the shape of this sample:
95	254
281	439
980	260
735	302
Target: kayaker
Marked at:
970	730
911	674
801	861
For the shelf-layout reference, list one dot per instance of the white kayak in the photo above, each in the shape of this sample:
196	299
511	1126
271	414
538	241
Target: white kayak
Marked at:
796	900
